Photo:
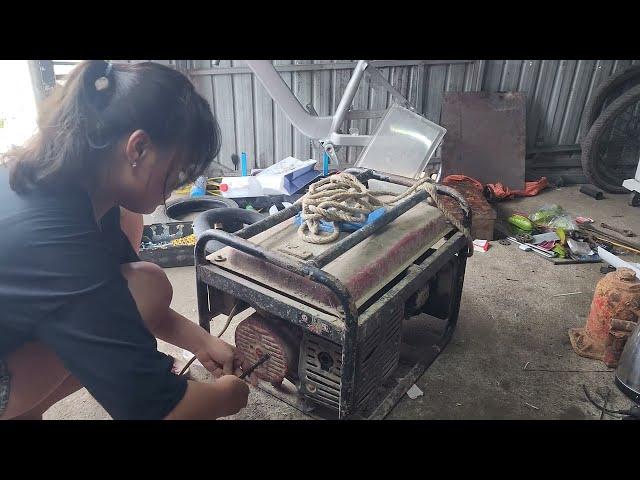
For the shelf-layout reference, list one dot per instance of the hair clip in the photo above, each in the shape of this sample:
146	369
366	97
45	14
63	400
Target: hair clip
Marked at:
102	83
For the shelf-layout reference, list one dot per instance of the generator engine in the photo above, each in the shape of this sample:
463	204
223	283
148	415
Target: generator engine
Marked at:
262	333
351	324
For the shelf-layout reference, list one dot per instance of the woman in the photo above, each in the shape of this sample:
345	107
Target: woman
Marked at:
78	307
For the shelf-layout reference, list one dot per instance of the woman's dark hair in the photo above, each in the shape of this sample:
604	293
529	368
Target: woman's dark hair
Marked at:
101	102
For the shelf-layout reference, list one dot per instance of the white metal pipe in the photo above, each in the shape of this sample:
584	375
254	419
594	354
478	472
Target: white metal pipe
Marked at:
309	125
349	93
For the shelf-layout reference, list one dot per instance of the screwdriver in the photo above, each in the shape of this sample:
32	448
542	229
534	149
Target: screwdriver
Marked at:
250	370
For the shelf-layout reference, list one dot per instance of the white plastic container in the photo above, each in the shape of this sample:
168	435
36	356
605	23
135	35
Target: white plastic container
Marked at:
239	187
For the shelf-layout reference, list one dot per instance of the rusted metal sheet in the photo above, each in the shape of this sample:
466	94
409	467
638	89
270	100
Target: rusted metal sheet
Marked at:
308	317
485	137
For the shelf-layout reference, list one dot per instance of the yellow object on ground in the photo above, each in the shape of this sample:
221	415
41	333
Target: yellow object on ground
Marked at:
213	184
188	240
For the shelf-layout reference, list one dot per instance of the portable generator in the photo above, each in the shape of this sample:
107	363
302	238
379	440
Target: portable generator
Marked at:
351	324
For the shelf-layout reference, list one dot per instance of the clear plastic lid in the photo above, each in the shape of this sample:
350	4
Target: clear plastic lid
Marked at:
403	143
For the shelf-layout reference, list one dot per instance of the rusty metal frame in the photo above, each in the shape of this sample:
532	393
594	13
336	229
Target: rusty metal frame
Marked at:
206	273
456	246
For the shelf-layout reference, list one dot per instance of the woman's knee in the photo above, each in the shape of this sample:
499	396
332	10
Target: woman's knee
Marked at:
36	372
150	287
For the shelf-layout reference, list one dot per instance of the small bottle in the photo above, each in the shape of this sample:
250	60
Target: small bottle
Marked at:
199	187
240	187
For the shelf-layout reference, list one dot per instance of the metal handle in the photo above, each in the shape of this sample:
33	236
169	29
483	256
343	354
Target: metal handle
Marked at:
299	268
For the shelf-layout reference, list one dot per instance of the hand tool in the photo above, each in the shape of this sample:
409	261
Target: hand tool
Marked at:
250	370
539	251
622	231
604	237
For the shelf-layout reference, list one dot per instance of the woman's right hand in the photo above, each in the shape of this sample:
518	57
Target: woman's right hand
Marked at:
235	393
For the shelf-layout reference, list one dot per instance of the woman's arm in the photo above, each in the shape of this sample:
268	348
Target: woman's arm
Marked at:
153	293
209	350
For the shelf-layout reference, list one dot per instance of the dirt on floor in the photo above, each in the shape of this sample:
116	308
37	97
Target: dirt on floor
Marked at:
509	319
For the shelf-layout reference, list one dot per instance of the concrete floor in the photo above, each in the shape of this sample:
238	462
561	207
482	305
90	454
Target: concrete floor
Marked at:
509	318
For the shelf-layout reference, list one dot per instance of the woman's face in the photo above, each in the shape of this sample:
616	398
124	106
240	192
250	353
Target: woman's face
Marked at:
150	175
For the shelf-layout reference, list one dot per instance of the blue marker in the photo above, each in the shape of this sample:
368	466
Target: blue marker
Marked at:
325	164
243	164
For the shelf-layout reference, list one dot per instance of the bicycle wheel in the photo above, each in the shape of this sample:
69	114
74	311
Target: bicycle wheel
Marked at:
607	92
611	149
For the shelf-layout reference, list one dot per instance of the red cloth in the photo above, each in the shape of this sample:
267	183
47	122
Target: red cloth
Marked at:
497	191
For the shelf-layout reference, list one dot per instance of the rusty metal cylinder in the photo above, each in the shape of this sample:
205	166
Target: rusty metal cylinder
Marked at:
616	298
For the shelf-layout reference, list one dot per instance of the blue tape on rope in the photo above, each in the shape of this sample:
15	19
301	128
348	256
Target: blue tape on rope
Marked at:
344	226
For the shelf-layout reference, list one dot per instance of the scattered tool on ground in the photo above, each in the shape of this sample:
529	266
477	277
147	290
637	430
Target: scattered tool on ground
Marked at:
598	236
622	231
528	247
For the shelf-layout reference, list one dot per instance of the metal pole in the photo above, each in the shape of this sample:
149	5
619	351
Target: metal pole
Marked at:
309	125
349	93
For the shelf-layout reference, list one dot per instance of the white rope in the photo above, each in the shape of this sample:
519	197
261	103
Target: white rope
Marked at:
343	198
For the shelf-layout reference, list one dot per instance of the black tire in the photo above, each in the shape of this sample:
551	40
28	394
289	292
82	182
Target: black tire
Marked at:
182	206
607	92
634	199
232	220
591	142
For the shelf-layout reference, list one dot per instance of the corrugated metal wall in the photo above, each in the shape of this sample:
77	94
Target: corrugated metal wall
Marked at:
252	123
557	91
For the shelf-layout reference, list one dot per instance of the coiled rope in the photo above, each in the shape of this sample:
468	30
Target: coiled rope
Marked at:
343	198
